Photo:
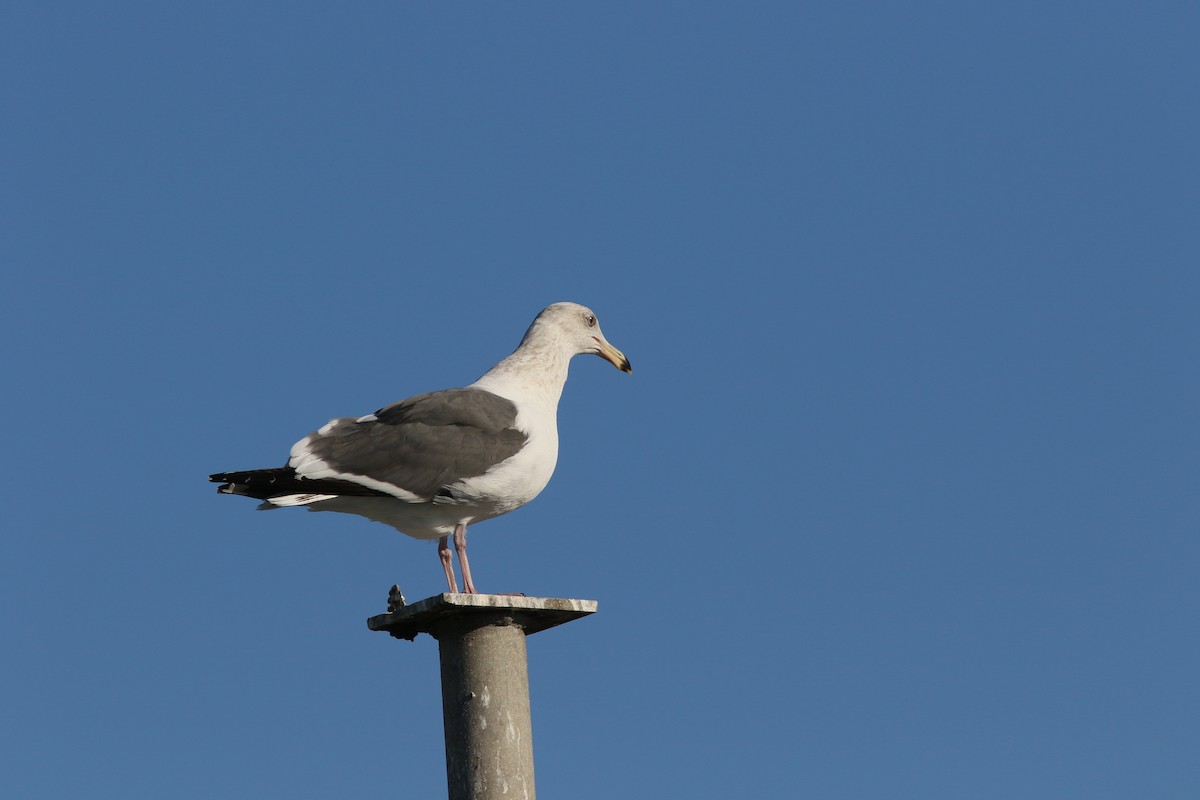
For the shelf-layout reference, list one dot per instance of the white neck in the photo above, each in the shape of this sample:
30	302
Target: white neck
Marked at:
537	370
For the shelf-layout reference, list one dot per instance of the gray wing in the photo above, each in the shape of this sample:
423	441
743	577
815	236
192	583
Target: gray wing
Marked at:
424	443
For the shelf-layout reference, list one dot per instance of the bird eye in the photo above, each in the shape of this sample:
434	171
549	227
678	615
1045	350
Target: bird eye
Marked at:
591	320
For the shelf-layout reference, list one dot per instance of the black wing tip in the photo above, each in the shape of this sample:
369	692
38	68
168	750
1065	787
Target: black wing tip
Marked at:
248	483
263	484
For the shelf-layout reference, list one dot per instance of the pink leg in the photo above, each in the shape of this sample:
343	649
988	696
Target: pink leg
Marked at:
448	563
460	544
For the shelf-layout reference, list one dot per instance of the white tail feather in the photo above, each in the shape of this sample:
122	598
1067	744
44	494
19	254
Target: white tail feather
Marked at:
297	499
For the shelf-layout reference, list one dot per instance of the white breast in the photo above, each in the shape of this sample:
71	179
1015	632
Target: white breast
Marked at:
517	480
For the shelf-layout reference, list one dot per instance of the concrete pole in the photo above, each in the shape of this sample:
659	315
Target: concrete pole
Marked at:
485	683
485	708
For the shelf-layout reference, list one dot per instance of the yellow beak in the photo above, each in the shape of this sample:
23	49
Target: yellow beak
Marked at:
612	355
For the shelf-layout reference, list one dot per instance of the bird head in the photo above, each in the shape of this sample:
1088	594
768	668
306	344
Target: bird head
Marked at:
577	325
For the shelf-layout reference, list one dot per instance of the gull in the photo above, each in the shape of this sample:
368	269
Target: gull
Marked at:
433	464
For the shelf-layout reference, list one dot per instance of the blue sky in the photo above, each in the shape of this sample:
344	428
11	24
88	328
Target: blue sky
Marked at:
898	502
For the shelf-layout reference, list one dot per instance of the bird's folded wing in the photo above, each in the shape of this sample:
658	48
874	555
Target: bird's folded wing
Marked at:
416	447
